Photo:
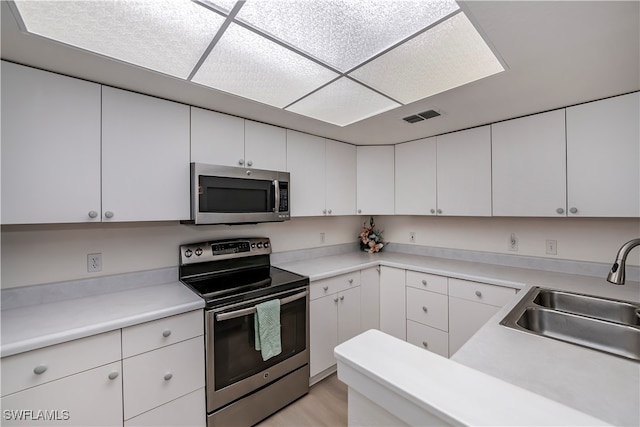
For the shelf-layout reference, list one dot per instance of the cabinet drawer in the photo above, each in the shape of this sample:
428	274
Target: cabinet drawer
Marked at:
162	332
187	411
57	361
335	284
428	308
429	282
480	292
428	338
157	377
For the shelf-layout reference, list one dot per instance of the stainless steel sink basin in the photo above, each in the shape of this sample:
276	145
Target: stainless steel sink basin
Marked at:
602	324
586	305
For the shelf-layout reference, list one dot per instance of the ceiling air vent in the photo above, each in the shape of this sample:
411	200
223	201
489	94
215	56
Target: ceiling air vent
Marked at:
429	114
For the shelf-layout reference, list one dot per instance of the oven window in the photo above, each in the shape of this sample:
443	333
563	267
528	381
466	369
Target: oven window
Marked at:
234	195
235	355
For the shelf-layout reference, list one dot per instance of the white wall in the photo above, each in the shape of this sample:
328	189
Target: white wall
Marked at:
581	239
49	253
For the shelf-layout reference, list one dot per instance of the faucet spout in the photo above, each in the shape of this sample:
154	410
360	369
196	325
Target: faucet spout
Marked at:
616	275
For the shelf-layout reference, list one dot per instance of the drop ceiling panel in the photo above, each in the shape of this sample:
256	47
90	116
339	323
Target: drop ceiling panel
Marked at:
162	35
343	33
245	64
343	102
446	56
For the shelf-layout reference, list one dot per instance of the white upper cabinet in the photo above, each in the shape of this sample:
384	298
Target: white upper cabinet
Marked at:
265	146
340	167
305	162
50	147
529	166
216	139
221	139
145	158
464	172
415	177
603	158
375	180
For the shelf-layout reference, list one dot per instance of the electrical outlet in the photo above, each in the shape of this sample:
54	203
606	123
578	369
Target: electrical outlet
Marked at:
552	247
412	236
513	242
322	238
94	263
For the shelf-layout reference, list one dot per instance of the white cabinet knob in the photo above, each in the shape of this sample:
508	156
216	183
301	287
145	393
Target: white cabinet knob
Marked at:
342	298
93	214
166	333
108	214
478	294
324	211
113	375
433	211
326	288
359	210
40	369
350	281
424	308
425	344
573	210
329	211
335	299
250	163
168	376
439	211
560	211
241	162
424	282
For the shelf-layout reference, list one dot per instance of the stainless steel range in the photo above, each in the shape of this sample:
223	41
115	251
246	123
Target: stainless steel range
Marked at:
233	276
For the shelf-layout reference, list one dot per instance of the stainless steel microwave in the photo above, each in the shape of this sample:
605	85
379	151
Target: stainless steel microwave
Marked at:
232	195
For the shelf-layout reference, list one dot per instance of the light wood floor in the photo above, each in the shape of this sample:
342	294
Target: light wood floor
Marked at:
325	405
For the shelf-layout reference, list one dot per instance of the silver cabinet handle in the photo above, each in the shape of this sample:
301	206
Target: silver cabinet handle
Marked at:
324	211
433	211
168	376
329	211
350	281
439	211
108	214
573	210
326	288
359	210
250	163
113	375
93	214
560	211
248	173
342	298
241	162
166	333
478	293
335	299
40	369
424	308
425	344
424	282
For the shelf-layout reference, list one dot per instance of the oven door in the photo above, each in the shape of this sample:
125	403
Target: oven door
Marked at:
234	367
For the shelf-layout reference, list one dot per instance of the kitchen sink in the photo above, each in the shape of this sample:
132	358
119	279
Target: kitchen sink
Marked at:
602	324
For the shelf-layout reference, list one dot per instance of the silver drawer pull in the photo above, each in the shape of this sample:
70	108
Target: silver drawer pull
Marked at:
342	298
424	282
168	376
350	281
40	369
478	293
113	375
424	308
251	310
166	333
335	299
425	344
326	288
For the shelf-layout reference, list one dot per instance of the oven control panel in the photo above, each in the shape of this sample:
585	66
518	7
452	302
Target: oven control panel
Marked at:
224	249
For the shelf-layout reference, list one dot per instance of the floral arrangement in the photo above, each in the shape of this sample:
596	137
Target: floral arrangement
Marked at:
370	238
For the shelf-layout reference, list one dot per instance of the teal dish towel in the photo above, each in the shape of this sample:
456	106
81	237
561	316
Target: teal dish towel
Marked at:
266	324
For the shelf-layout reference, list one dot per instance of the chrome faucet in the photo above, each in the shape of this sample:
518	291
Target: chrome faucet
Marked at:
616	275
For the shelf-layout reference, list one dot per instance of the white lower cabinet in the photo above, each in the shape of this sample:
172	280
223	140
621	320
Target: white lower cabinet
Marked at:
393	302
187	410
370	298
431	339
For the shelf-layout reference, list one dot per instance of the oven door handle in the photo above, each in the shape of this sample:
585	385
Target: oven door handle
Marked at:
250	310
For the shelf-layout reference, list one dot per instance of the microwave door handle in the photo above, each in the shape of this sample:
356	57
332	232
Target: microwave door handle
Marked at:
246	311
276	187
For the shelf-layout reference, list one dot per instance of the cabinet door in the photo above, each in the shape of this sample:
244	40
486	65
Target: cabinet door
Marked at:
50	147
89	398
265	146
145	157
375	180
348	314
323	328
340	178
415	180
370	298
465	318
464	173
603	158
529	166
216	139
393	302
305	163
